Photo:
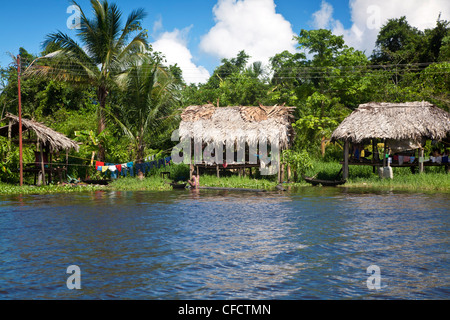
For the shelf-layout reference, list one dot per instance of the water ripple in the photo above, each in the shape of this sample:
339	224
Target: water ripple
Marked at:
311	244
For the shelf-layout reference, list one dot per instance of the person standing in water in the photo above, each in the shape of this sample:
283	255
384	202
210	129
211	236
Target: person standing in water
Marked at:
195	180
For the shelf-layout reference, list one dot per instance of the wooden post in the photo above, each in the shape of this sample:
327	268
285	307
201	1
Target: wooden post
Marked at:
191	170
51	167
218	171
9	134
421	162
289	173
373	155
384	153
42	164
67	162
279	169
345	166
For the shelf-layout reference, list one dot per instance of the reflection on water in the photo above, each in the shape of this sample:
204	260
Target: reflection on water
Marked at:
311	243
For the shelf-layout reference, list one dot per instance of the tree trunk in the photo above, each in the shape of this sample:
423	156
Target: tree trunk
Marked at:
101	95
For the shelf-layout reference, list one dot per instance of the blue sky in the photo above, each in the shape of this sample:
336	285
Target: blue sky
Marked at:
196	34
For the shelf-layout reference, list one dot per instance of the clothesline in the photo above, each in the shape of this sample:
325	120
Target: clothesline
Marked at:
129	167
59	164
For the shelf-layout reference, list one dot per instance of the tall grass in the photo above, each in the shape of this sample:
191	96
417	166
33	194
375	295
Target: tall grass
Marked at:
150	183
237	182
434	178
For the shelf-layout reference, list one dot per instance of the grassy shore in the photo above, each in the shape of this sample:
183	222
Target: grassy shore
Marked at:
434	180
6	188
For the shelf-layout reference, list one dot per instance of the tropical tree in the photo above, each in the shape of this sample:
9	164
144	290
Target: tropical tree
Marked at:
398	42
148	110
106	48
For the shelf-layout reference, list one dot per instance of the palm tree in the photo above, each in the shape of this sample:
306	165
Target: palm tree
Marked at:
150	102
102	56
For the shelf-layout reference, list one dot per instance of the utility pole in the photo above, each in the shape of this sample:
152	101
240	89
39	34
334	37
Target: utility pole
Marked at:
20	120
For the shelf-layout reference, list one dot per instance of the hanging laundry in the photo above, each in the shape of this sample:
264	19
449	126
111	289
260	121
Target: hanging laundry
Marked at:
130	167
124	170
400	160
99	168
119	167
411	159
104	169
99	164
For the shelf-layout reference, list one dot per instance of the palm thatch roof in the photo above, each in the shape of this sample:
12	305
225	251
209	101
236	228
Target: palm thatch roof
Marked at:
237	124
48	137
394	121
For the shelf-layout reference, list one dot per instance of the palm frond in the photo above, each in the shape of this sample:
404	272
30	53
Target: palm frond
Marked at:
133	23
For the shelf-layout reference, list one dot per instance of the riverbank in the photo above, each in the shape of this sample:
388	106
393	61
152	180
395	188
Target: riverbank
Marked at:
360	177
434	179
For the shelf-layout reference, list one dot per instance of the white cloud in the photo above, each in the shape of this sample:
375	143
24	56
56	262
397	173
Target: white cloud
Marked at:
174	46
368	16
250	25
323	17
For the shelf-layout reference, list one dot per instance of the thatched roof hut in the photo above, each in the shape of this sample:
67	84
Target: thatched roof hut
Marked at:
394	121
237	124
401	126
48	137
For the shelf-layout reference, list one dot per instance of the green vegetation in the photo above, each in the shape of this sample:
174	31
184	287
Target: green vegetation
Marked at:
237	182
434	178
153	183
15	189
120	100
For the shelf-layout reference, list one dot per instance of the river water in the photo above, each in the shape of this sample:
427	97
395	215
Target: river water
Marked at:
310	243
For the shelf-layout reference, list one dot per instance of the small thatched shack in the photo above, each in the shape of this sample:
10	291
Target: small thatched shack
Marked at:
50	138
237	125
400	126
47	139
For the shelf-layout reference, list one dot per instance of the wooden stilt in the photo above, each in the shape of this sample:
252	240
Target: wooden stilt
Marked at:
279	169
42	164
373	155
9	134
51	168
345	165
421	162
